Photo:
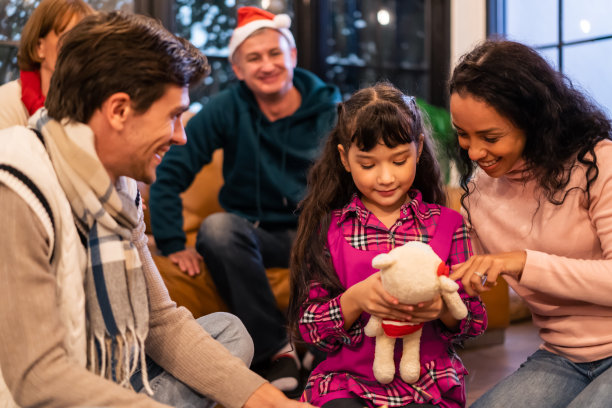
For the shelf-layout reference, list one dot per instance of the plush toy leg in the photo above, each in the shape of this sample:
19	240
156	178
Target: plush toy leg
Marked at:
384	366
374	327
410	364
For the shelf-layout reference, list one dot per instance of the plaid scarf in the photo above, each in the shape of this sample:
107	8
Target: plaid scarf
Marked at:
117	305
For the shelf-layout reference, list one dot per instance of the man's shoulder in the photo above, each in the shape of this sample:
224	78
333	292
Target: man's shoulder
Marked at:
226	102
20	147
315	91
16	135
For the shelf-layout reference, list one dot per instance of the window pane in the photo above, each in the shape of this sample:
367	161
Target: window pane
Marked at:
8	62
551	55
532	22
588	65
586	19
13	16
370	41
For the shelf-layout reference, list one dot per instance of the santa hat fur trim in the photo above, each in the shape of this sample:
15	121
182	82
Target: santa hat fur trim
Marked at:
251	19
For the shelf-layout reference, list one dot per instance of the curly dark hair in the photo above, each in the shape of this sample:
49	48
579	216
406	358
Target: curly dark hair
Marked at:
561	124
369	116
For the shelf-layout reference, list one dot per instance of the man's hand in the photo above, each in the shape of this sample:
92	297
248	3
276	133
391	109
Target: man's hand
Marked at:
188	260
268	396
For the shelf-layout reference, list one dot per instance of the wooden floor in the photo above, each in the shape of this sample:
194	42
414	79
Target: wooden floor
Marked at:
487	365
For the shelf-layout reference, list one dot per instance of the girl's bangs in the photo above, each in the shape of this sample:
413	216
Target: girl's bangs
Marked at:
382	122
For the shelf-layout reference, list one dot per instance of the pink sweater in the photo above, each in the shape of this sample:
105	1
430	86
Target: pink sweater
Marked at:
567	280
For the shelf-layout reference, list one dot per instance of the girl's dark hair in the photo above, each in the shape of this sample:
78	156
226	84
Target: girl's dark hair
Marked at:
381	113
560	123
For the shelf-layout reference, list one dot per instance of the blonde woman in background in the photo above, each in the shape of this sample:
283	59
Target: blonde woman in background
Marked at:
19	99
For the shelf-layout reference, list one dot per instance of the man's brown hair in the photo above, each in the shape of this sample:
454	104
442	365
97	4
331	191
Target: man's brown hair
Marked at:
49	15
115	52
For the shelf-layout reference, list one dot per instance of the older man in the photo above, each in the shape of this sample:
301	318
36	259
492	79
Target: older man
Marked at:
86	319
270	126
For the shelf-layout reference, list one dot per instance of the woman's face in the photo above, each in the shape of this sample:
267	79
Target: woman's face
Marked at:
47	45
491	140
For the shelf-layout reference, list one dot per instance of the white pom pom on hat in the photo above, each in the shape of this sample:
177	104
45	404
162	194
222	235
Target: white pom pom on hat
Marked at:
251	19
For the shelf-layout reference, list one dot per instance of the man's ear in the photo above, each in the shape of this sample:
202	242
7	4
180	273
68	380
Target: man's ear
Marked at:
236	67
344	158
294	57
117	108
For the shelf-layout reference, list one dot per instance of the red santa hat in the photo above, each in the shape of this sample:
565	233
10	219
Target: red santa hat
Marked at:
251	19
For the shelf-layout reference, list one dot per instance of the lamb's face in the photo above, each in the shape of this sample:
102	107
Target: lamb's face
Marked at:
409	272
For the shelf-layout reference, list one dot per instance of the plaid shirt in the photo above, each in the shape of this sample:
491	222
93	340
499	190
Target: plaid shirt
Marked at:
322	324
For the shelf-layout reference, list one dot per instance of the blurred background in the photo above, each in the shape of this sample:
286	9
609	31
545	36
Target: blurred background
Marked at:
354	43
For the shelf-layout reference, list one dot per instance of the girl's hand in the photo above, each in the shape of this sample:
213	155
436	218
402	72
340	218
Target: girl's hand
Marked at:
479	273
370	296
427	311
433	310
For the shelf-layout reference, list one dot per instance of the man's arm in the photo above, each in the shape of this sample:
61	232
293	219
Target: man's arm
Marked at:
33	357
180	345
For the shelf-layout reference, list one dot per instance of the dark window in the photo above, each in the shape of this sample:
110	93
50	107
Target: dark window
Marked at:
352	43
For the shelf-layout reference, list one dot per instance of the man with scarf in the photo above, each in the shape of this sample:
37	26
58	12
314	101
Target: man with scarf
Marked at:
270	126
86	319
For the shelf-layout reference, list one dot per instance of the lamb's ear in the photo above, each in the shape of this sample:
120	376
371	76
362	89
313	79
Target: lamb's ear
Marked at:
383	261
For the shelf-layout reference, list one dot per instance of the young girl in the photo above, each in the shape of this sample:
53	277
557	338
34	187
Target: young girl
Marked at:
368	193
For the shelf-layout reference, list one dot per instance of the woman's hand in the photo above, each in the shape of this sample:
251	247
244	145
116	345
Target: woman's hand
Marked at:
479	273
370	296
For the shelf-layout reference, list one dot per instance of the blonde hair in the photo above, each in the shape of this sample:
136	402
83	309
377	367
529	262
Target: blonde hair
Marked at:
49	15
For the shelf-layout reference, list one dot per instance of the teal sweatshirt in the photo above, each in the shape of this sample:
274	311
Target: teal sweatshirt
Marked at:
264	163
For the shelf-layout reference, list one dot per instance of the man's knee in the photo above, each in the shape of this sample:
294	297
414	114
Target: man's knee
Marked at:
220	230
229	330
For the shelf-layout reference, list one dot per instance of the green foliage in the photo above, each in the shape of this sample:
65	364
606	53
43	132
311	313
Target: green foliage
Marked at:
442	133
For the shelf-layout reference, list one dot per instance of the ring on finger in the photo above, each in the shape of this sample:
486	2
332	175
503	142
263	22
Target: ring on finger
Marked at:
483	277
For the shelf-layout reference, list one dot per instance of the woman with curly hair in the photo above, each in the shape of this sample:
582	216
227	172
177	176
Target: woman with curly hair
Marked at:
534	157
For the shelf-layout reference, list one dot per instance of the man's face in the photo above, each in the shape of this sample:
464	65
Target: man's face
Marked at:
265	62
146	137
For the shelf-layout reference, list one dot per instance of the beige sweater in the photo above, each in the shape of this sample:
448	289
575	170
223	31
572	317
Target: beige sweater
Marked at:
32	356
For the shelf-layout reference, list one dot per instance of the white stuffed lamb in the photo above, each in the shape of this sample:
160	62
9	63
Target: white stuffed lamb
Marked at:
412	273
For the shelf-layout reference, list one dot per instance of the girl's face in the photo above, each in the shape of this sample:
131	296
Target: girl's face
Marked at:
490	139
383	175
